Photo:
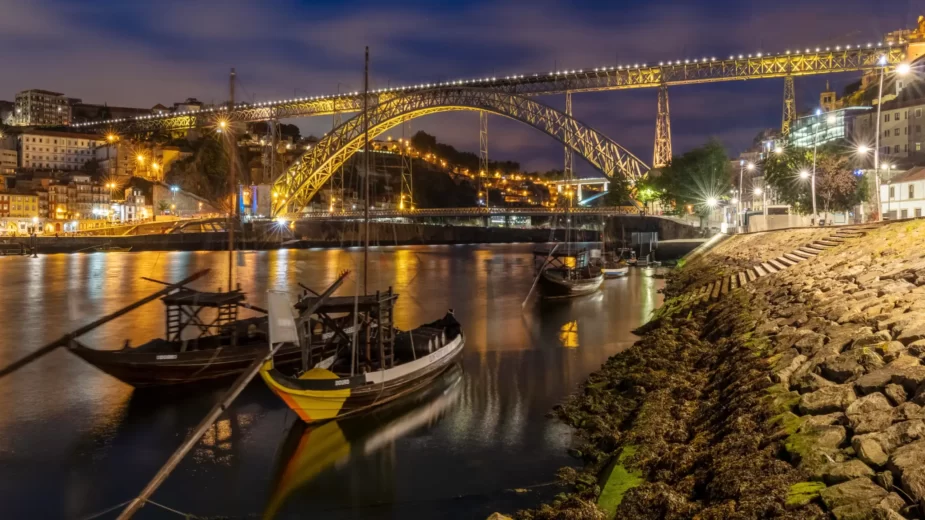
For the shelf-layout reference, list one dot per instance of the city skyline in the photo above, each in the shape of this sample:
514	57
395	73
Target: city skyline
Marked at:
142	55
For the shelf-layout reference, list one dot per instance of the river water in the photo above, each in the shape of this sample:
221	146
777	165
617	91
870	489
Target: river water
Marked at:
75	441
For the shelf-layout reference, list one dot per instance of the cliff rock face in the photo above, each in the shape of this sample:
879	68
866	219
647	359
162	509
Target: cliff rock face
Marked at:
798	394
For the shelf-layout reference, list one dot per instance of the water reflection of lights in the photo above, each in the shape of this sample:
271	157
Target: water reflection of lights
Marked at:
568	334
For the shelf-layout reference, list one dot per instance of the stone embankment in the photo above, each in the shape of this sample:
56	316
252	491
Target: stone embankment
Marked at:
797	393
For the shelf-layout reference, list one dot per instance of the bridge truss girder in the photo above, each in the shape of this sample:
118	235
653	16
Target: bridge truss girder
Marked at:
295	187
586	80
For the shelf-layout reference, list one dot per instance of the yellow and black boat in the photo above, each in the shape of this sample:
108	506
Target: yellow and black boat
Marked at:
381	365
311	449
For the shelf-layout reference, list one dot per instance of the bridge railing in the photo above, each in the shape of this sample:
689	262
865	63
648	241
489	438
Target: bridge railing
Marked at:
467	212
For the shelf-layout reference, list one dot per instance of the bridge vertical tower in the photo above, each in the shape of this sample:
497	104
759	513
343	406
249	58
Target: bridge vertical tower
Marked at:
483	151
661	156
337	180
407	184
790	106
568	169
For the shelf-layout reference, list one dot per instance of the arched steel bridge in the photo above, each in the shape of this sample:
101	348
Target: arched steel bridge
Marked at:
704	70
296	186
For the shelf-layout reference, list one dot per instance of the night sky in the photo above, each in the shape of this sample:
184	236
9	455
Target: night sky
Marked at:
143	53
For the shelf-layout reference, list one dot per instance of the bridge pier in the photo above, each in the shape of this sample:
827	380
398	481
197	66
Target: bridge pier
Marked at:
661	156
790	106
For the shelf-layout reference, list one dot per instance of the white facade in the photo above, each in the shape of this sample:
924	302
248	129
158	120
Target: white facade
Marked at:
903	196
902	131
41	108
57	150
8	161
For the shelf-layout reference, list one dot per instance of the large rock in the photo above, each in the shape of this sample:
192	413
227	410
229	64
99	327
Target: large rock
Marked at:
877	379
890	439
908	412
876	338
827	400
912	332
809	343
850	365
841	336
896	287
808	382
910	378
869	450
853	499
900	320
896	393
909	463
875	402
871	422
787	365
838	472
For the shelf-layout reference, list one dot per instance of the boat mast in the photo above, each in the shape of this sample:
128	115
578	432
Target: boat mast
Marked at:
234	191
366	180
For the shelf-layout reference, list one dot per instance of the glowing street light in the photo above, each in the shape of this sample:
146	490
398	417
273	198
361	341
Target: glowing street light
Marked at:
804	174
778	150
863	149
711	202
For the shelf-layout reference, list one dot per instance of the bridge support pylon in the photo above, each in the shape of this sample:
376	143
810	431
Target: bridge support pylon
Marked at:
407	171
483	154
568	168
662	153
790	106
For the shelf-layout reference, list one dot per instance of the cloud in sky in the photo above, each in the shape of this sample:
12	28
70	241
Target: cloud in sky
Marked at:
143	53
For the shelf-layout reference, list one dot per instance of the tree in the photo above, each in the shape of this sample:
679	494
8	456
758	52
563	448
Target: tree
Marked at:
91	168
837	186
694	178
836	183
205	173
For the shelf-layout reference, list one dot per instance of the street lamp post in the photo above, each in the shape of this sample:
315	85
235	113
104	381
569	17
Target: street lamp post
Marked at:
764	204
742	167
901	69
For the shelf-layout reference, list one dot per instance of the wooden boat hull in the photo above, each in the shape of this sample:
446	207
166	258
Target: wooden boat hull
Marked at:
325	395
553	284
141	369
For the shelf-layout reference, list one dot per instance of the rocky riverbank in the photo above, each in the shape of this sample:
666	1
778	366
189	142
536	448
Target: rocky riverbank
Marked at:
798	395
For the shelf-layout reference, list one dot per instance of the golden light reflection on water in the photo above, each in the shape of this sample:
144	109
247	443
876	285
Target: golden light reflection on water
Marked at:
515	366
568	334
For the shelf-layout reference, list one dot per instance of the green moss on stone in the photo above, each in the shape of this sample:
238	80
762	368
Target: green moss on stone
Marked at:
789	421
620	480
783	400
803	493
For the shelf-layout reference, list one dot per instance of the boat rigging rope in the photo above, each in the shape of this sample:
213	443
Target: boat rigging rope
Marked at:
148	501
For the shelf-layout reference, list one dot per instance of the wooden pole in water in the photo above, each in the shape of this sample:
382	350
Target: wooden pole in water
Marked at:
63	340
232	394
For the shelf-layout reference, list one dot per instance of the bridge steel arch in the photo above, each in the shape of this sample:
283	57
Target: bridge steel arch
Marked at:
301	181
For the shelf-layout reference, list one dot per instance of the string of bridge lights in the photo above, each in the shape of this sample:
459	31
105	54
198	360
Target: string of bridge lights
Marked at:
477	81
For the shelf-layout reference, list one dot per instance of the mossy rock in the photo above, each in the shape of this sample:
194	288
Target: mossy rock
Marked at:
620	480
789	421
803	493
783	400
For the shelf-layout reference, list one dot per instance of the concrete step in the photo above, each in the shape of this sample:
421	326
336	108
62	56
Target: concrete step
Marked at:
827	243
813	250
733	282
759	270
743	280
769	268
784	261
714	292
793	258
752	275
725	288
802	254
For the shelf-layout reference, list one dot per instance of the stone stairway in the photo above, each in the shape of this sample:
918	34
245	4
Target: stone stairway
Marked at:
721	287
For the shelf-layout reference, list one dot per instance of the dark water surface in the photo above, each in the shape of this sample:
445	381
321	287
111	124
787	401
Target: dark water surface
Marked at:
74	441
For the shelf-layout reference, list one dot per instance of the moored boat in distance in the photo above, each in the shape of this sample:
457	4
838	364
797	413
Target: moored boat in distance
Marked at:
109	248
567	274
381	365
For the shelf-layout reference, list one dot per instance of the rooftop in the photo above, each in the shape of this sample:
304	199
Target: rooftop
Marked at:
57	133
40	91
914	174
